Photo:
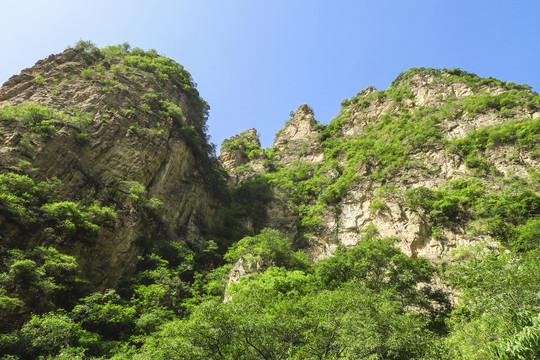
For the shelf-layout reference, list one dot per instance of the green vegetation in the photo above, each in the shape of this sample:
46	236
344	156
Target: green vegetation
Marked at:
135	62
145	131
42	121
523	134
121	69
365	300
21	197
88	73
455	75
109	84
32	204
89	48
497	316
69	220
510	217
37	117
333	309
504	102
172	111
246	142
269	248
250	199
381	151
448	203
370	301
137	196
393	144
42	278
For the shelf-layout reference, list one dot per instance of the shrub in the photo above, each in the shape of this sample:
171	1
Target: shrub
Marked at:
449	203
377	204
21	196
83	137
46	334
172	110
88	73
524	344
71	221
42	278
105	313
269	248
246	143
138	197
44	128
529	235
89	48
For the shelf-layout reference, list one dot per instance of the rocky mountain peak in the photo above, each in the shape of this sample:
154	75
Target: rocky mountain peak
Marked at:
252	136
299	137
368	90
298	128
118	128
354	175
122	236
239	149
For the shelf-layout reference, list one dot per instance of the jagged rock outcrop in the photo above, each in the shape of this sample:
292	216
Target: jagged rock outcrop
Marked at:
121	134
240	150
298	140
353	175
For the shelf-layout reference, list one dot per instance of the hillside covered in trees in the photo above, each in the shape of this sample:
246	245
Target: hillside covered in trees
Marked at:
407	227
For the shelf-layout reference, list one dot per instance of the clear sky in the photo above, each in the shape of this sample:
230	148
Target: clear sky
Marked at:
255	61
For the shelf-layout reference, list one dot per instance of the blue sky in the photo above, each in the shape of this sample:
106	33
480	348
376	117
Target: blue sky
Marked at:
255	61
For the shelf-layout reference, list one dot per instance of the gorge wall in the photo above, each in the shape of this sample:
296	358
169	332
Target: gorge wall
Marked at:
334	184
123	132
119	129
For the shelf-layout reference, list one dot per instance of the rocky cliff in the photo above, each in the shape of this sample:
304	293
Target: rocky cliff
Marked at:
124	131
119	129
120	231
430	131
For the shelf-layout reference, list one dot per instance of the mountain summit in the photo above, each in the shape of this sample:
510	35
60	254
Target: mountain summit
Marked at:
396	162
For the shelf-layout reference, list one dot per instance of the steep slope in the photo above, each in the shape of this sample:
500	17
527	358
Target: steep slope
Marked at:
122	237
412	162
123	132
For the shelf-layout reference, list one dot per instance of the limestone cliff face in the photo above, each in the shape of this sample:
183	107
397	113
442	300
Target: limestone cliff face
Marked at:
118	136
298	140
240	150
127	130
369	200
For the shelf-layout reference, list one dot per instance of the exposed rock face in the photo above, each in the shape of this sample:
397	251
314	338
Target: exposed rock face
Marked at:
298	139
242	156
366	207
132	139
236	154
125	145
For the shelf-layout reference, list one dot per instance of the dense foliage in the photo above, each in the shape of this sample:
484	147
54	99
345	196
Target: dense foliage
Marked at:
120	63
343	307
395	144
252	293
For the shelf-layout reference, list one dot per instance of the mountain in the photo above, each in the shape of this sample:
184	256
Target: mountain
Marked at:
123	136
405	228
410	162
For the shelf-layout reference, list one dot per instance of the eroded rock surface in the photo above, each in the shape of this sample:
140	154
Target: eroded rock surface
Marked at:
361	210
123	144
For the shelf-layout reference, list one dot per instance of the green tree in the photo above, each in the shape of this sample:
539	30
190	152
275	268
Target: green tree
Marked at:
269	248
47	333
43	278
495	290
106	313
